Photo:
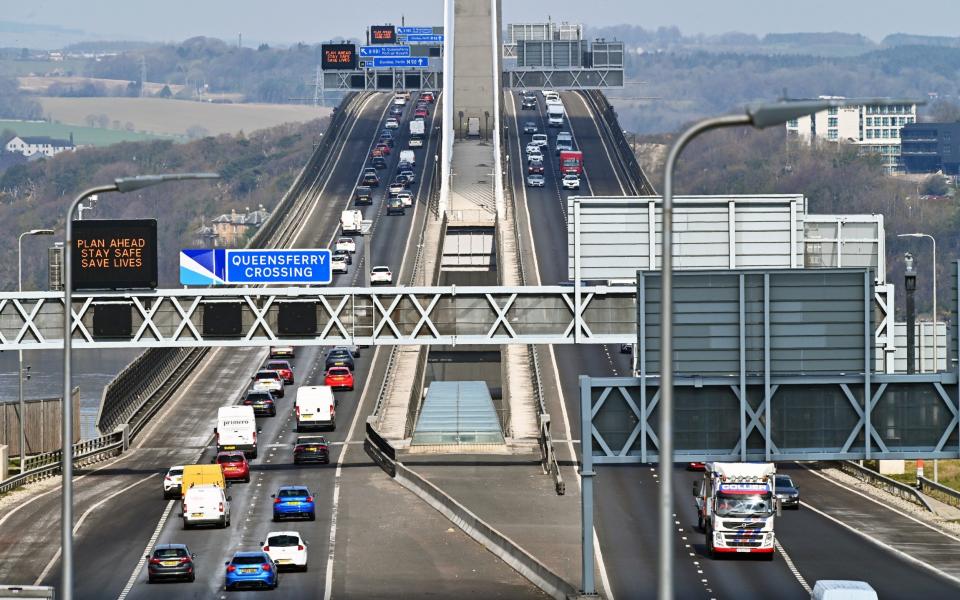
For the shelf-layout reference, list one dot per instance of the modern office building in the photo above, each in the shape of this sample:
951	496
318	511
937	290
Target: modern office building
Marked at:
874	128
930	147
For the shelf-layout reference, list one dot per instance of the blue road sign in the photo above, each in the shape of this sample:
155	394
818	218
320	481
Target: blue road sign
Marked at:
414	30
423	37
219	266
371	51
384	62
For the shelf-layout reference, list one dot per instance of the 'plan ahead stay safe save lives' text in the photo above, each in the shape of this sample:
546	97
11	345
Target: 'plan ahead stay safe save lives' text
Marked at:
111	253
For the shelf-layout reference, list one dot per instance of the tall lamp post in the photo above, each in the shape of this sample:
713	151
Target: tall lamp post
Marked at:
122	185
758	116
23	434
936	349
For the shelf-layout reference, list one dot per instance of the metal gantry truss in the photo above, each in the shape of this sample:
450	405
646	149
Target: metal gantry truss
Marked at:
839	417
372	79
563	78
363	316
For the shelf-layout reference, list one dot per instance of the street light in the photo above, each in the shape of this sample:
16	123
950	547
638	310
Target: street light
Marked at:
23	433
122	185
936	349
759	116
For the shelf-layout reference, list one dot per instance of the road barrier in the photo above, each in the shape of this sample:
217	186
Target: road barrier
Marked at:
639	181
891	486
940	492
141	389
479	530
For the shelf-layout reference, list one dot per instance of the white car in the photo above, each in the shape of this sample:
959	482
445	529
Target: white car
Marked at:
392	123
540	139
287	549
172	481
406	198
381	274
338	264
400	100
347	244
533	148
268	380
571	182
282	352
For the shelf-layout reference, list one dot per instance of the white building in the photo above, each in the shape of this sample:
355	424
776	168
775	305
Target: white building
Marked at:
875	129
42	145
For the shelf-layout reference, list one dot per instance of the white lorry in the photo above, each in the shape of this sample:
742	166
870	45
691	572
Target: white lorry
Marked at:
237	430
416	133
555	115
736	505
351	222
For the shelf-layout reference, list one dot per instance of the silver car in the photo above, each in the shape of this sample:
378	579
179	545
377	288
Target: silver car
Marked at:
535	180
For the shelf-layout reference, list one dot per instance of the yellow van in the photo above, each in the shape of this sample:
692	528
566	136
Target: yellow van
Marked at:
201	475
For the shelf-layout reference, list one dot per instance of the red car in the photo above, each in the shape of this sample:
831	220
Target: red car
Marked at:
339	378
696	466
283	367
376	152
383	148
420	112
428	96
234	466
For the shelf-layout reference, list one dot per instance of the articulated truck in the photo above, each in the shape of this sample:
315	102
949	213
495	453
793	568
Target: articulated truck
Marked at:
736	506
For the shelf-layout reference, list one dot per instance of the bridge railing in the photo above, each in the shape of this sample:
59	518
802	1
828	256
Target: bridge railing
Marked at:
638	180
891	486
940	492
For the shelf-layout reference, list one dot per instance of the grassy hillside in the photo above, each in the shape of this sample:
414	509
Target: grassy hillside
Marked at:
82	136
177	117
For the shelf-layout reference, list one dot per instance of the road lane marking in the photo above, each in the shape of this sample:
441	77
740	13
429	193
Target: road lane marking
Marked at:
83	518
143	555
596	126
793	568
884	545
328	576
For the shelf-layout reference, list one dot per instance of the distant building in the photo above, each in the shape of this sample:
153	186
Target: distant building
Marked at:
874	128
230	230
39	145
931	147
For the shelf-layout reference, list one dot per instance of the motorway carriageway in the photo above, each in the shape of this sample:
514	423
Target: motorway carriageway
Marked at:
626	497
119	508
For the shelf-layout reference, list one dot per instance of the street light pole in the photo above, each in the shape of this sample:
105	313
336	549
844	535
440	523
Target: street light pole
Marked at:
23	432
122	185
760	117
936	349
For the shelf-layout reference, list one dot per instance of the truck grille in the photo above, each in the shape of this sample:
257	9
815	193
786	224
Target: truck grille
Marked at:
740	540
744	524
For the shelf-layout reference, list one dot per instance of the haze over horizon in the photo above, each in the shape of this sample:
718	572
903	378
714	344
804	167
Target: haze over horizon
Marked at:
312	22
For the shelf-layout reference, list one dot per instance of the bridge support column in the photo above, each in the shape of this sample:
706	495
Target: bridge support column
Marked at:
589	587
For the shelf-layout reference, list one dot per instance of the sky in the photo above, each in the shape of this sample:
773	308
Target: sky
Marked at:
311	21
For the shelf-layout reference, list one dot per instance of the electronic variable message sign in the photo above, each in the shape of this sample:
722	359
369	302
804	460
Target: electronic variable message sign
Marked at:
383	34
338	56
114	254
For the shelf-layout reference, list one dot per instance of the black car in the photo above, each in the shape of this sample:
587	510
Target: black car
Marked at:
262	402
170	561
370	177
403	179
339	357
404	166
396	110
363	195
395	206
535	166
311	448
530	127
378	162
345	254
787	491
528	104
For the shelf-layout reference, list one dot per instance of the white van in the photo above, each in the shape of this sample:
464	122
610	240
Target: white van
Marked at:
205	505
237	430
315	407
842	589
408	156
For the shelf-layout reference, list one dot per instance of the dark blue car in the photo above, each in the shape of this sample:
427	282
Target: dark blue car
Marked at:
293	501
251	570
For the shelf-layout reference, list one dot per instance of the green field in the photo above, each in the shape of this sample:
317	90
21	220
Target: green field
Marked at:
82	136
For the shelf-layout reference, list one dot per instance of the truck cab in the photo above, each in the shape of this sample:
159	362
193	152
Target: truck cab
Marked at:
736	506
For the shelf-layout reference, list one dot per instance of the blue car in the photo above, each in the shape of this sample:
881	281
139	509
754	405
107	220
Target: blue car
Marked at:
293	501
251	570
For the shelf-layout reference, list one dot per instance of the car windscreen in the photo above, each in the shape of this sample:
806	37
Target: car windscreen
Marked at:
292	493
258	396
744	505
339	372
230	458
277	365
267	375
784	481
176	471
283	540
249	560
169	553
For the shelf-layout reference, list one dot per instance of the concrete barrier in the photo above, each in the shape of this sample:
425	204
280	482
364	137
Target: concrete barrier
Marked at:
4	462
481	531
